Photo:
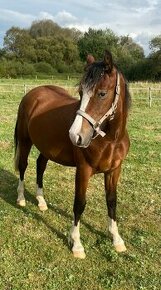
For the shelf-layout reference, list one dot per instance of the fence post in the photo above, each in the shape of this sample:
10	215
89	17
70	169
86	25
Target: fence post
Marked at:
150	97
25	89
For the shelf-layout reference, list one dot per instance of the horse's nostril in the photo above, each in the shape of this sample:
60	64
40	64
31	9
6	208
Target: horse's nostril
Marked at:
79	140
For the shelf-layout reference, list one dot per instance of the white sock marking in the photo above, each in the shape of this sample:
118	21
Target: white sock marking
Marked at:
20	190
40	197
117	240
75	239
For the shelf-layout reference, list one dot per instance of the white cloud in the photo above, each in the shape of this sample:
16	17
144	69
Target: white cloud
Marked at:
65	17
15	17
45	15
80	26
62	17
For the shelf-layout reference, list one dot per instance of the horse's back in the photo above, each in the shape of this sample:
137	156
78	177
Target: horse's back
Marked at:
45	96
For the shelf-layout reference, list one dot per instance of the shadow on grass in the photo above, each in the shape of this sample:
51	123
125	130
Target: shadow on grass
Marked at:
63	213
8	192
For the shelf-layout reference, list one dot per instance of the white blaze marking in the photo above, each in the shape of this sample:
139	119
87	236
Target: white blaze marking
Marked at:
77	124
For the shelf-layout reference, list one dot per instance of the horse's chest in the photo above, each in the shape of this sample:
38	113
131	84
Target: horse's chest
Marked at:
107	164
104	160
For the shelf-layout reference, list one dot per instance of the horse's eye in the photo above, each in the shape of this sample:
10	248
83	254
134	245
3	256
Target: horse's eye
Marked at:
102	94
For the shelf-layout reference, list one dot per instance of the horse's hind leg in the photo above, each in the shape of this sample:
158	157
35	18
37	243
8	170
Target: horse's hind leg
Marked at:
41	166
22	152
111	180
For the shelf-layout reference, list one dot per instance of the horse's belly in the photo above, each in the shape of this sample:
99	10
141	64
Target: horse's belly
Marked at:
62	154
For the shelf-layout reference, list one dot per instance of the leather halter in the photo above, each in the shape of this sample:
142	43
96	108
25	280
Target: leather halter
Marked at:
110	113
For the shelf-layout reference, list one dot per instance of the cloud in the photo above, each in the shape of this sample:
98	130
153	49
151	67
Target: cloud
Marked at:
44	15
139	19
64	17
143	39
15	17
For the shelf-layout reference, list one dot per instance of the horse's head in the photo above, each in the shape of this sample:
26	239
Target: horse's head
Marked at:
99	91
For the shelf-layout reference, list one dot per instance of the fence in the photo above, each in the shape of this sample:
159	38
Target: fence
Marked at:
148	93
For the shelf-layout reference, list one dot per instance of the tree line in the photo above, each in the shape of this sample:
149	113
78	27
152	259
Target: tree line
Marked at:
46	49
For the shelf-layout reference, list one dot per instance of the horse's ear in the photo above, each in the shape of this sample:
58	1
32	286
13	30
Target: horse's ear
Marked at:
90	59
108	61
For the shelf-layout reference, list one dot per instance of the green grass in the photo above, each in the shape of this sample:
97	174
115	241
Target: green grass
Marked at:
34	252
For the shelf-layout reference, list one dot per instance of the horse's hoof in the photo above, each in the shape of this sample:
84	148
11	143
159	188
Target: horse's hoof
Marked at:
43	207
41	203
21	202
79	254
120	248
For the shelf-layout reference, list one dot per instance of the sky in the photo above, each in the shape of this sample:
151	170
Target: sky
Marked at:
140	19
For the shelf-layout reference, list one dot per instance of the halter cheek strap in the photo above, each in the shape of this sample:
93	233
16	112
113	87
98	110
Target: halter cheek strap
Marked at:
110	113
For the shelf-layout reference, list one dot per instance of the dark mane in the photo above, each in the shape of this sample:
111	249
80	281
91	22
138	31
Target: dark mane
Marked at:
94	73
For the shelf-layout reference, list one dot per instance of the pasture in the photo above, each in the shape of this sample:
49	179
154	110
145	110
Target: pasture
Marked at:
34	252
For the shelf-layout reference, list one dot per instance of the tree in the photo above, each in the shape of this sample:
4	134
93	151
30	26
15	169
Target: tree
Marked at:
18	44
2	53
42	48
96	41
129	54
44	28
155	57
72	33
65	49
131	47
155	44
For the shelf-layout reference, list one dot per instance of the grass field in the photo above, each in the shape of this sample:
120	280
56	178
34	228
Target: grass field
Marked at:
34	252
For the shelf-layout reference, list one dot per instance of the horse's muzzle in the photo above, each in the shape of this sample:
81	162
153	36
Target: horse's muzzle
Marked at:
80	139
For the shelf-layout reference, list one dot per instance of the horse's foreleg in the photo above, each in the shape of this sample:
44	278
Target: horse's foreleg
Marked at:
111	180
81	182
41	166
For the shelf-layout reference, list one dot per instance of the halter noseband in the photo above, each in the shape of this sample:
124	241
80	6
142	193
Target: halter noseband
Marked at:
110	113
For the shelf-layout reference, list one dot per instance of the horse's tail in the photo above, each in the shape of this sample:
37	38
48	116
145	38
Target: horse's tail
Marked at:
17	152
